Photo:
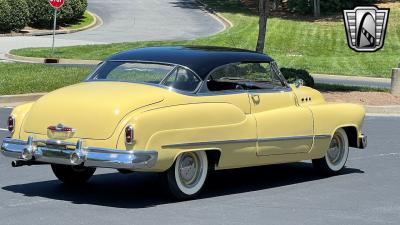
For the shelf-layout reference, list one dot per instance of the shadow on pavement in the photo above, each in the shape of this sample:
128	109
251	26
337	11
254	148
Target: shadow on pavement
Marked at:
186	4
141	190
226	6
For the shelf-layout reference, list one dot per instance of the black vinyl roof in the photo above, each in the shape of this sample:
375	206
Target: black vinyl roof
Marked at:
200	59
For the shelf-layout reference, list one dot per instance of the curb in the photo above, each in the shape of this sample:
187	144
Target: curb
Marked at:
25	59
355	78
96	23
227	23
13	100
387	109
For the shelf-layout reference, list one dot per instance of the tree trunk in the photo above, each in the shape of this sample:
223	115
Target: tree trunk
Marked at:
317	8
263	8
274	4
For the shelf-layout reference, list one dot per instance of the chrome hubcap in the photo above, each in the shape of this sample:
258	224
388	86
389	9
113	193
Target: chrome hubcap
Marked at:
189	169
336	150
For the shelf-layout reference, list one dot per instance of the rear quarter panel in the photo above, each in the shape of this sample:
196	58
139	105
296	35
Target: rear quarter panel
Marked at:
163	128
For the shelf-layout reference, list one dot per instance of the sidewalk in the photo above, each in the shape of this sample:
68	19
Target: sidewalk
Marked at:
9	43
353	80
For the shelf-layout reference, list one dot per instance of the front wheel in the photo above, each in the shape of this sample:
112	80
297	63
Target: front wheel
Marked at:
336	156
187	176
72	174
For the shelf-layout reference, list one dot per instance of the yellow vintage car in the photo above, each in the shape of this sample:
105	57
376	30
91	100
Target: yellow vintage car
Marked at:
182	112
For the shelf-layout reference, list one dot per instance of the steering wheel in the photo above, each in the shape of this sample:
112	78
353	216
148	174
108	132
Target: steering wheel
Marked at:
239	87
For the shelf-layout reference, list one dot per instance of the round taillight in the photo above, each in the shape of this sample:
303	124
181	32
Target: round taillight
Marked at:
129	135
11	123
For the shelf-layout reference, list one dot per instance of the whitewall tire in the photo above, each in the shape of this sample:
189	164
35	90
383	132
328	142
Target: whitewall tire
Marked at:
336	156
187	176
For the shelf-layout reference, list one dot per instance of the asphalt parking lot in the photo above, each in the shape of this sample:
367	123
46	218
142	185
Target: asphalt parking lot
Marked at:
366	193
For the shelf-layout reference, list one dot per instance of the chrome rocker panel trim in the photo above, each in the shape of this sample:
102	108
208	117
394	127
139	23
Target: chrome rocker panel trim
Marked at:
56	152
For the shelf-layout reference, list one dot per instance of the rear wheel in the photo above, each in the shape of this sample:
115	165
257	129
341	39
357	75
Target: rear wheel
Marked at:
72	174
187	176
336	156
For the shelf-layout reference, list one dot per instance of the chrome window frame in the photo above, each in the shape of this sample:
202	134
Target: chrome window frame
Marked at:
285	86
175	66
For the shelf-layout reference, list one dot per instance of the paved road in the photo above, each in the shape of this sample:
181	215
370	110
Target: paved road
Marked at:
128	21
366	193
139	20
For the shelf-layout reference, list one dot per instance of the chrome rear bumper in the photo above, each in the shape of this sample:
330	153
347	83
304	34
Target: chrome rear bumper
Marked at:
60	152
362	142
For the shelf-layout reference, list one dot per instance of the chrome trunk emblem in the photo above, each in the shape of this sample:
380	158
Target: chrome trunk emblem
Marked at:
61	128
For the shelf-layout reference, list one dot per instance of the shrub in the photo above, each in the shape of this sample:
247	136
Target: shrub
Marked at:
327	6
334	6
19	13
72	10
14	15
41	13
4	15
293	74
300	6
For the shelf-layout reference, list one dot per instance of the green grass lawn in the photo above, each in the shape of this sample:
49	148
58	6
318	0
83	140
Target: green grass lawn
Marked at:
19	78
86	20
319	47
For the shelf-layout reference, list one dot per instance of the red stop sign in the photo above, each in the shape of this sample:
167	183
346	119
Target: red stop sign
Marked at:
56	3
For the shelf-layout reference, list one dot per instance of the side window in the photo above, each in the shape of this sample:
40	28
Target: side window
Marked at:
244	76
182	79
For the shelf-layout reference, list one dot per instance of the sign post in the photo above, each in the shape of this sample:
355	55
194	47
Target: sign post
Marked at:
56	4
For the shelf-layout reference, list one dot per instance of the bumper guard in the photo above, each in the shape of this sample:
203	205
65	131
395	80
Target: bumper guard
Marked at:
362	142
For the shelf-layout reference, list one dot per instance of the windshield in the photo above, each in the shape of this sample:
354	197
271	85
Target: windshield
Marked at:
172	76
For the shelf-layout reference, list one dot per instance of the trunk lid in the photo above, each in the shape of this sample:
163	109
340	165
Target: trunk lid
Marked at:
92	109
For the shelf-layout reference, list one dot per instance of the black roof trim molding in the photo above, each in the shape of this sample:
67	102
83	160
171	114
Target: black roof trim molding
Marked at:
201	59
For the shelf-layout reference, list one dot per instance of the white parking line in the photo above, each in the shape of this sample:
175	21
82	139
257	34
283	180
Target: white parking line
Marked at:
377	155
3	129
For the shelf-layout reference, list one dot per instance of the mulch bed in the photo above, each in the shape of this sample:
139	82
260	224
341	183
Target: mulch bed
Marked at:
364	98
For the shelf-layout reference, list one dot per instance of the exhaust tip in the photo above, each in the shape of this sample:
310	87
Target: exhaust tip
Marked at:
16	164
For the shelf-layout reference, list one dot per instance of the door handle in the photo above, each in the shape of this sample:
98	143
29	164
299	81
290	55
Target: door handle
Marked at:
255	98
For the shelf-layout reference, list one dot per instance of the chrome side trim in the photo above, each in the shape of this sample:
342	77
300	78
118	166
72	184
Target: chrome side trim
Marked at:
210	143
323	136
311	137
286	138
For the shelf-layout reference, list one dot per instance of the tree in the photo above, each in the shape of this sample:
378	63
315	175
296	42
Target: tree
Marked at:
317	8
263	8
275	4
